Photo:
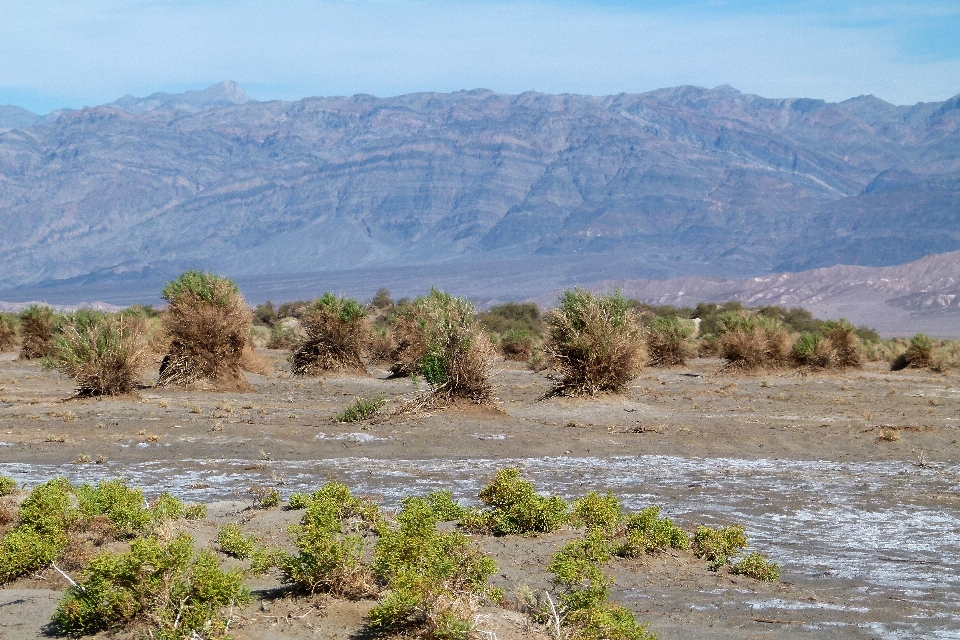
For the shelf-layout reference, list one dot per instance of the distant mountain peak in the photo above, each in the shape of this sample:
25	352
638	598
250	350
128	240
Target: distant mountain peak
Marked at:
222	94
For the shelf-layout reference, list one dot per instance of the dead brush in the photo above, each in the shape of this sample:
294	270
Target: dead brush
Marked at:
209	325
104	354
380	345
8	332
336	337
438	337
752	343
846	345
36	332
918	354
594	342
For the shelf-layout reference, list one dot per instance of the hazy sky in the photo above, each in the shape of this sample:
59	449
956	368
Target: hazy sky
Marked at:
82	52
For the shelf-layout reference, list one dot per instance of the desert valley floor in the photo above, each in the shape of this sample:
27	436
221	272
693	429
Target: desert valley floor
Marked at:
850	481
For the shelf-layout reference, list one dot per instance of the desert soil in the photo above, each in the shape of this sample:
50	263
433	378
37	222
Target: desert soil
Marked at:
849	480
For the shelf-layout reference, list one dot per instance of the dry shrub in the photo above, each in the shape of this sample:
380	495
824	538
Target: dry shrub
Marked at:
438	337
595	342
811	349
36	332
918	354
105	354
208	324
518	345
751	343
846	347
8	332
380	346
668	342
254	362
336	336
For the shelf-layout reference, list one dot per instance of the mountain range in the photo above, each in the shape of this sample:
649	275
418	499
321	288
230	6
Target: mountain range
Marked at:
684	181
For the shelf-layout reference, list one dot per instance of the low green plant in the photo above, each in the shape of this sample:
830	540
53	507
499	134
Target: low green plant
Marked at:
518	345
445	508
583	608
264	497
49	509
167	507
361	409
812	350
196	511
23	550
8	486
177	593
717	545
754	565
125	507
298	500
434	579
597	512
231	541
514	507
647	532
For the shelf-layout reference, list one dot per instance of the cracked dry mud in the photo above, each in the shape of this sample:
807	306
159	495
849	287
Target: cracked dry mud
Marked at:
866	526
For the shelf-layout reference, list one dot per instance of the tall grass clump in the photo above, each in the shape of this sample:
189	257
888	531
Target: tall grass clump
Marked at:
595	342
437	337
104	354
8	331
750	342
36	332
336	336
208	324
668	341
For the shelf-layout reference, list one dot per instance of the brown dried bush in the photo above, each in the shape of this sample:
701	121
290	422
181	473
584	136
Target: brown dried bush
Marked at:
751	343
846	346
209	325
518	345
336	336
36	332
380	346
668	342
8	332
918	355
105	354
594	342
438	337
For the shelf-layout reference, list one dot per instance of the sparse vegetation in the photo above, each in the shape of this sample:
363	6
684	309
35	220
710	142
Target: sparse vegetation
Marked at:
336	336
361	409
647	532
209	325
595	342
231	541
438	338
717	546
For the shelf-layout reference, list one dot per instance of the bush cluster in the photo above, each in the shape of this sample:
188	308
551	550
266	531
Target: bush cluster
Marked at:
513	506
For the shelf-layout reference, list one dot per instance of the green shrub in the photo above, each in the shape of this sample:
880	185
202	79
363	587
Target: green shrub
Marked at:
433	579
718	545
231	541
24	550
668	342
298	500
335	498
8	332
439	338
595	342
811	350
755	566
264	497
125	507
445	508
586	612
647	532
8	486
361	409
177	593
196	511
49	509
514	507
167	507
336	336
596	512
36	332
518	345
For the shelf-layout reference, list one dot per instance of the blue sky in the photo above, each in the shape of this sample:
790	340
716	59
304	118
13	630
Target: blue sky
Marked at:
83	52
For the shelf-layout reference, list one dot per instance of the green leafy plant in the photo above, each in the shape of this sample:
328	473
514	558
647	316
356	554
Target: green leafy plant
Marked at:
597	512
125	507
23	550
514	507
647	532
231	541
8	486
718	545
433	579
518	344
361	409
595	342
173	590
754	565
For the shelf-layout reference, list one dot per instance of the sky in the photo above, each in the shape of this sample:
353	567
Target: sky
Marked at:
73	53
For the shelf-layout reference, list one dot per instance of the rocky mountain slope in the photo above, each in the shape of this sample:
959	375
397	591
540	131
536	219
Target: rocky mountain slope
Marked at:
685	180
